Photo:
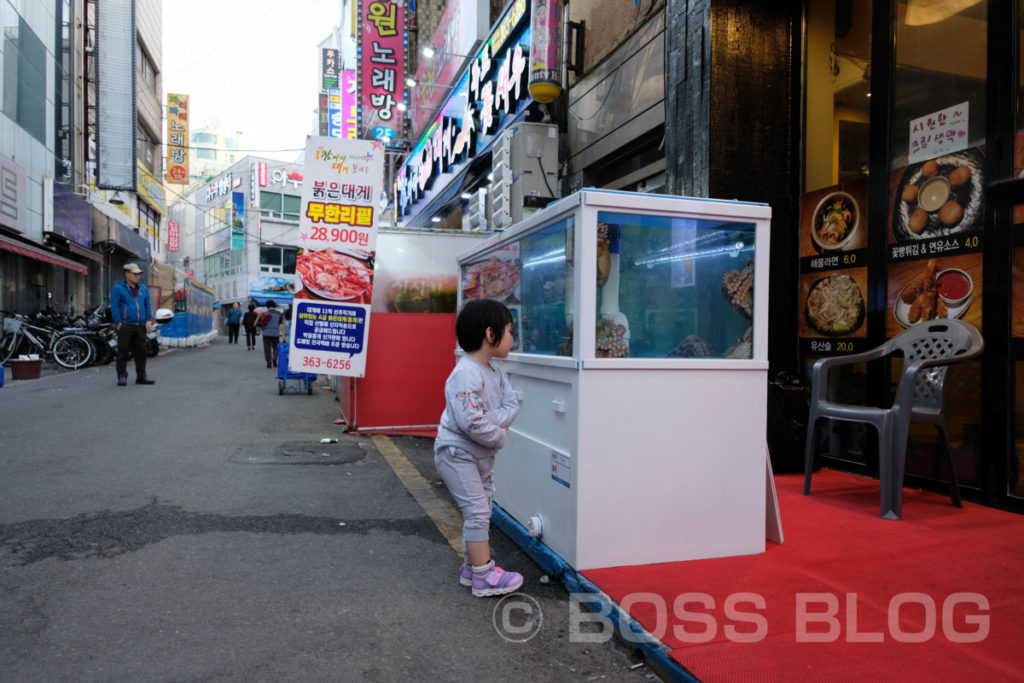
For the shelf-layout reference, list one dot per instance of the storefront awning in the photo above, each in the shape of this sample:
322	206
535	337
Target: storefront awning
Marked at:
83	251
41	255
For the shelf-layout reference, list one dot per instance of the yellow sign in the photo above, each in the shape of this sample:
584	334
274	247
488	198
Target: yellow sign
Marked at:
177	138
149	187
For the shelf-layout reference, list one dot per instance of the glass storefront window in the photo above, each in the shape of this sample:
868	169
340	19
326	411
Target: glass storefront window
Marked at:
936	206
838	73
533	277
834	239
1015	483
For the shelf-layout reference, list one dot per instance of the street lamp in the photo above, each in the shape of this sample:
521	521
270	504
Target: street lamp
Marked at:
428	52
412	83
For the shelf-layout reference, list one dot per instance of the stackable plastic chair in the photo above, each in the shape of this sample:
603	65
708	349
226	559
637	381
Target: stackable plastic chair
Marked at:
928	350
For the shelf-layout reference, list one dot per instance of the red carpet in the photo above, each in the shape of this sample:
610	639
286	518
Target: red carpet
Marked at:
938	596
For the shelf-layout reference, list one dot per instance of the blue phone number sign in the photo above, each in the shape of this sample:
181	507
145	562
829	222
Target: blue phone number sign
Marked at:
329	327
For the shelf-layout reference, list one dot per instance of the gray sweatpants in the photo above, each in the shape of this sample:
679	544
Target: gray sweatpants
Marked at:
470	480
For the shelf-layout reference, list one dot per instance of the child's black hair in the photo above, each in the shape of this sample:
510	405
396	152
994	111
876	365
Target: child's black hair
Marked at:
476	317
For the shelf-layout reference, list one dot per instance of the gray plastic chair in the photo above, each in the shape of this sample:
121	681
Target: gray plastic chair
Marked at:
928	349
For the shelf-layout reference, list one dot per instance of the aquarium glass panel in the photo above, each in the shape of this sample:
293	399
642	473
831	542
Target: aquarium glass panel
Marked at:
670	287
533	277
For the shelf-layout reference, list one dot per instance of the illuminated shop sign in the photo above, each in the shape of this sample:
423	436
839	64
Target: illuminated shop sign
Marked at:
494	89
218	188
335	114
381	55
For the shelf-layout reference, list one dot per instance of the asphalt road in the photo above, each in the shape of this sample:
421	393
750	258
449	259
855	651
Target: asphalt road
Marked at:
198	530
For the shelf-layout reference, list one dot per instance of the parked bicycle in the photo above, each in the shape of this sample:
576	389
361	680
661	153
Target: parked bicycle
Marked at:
22	337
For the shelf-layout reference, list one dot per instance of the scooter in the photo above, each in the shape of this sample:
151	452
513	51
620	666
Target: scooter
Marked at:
162	317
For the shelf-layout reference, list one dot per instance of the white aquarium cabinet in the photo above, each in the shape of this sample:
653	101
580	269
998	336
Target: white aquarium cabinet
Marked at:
640	363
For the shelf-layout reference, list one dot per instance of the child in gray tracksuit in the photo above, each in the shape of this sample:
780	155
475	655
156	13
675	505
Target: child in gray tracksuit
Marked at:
480	406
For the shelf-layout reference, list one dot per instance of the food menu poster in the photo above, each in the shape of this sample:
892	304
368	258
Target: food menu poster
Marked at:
936	220
337	247
921	290
833	269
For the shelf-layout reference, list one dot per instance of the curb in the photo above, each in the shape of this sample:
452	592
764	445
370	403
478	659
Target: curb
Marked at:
654	652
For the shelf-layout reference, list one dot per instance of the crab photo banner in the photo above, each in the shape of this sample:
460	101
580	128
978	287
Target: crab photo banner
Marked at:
337	244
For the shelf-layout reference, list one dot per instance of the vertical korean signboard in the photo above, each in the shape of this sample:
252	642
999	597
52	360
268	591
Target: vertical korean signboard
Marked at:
382	63
334	267
349	129
173	236
177	138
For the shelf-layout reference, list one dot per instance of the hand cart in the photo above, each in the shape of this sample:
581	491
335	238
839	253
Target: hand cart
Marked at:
302	381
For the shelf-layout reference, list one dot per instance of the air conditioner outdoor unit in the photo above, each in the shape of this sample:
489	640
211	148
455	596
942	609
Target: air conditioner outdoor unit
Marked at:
479	211
524	162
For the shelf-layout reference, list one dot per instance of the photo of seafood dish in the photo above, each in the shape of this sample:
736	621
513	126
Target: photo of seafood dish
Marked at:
939	197
835	220
491	279
835	305
934	294
335	276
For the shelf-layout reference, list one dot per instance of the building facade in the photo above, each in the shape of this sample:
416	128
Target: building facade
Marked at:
239	227
798	105
64	230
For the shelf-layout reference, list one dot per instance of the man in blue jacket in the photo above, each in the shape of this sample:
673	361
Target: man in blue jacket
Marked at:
129	306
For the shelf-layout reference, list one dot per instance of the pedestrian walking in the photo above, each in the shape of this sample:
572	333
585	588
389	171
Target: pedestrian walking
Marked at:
132	315
249	323
270	322
286	324
479	407
234	320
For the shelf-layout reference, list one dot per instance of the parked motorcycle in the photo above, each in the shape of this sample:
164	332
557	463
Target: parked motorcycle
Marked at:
162	317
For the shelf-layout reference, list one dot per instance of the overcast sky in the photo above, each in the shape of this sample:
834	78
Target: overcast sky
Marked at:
249	66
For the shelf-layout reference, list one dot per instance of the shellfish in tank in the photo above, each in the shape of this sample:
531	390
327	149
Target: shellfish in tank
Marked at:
604	256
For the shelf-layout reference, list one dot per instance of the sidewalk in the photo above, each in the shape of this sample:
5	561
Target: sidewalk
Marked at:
198	529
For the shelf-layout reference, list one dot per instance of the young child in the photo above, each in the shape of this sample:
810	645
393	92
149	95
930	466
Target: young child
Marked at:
480	406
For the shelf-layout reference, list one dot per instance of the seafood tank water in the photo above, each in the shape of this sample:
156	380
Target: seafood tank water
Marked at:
641	366
670	287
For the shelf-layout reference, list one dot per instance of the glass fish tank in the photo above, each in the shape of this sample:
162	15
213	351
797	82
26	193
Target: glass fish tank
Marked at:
655	284
634	309
671	287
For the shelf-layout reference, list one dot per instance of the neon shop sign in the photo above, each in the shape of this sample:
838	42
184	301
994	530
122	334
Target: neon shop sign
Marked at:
496	87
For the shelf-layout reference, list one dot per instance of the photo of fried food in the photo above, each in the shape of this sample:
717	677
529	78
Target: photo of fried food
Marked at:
938	197
923	297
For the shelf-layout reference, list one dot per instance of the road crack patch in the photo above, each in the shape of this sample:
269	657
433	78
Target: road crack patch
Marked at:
111	533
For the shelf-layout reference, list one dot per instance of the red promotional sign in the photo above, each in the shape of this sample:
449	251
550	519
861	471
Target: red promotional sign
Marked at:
172	236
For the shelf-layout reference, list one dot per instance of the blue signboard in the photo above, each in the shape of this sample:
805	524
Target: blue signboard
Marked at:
335	114
329	327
